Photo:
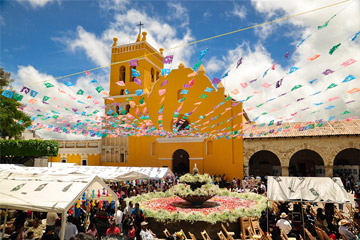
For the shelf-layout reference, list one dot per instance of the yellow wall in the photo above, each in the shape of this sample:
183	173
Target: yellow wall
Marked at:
226	155
93	159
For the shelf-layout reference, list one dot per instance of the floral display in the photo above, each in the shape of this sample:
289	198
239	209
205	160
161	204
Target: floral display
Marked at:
190	178
185	190
231	206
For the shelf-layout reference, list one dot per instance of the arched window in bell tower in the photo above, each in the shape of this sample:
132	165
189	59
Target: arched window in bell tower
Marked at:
131	77
122	74
152	72
157	75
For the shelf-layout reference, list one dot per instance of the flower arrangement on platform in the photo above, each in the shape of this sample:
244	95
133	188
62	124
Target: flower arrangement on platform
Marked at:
231	207
185	190
190	178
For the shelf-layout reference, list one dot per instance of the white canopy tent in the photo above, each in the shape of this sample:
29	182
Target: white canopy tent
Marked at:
107	173
307	189
56	194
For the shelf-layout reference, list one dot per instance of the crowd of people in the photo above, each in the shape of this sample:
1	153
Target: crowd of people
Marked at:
128	220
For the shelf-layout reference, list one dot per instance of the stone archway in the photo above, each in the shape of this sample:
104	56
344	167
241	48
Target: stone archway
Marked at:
306	162
180	161
264	163
347	162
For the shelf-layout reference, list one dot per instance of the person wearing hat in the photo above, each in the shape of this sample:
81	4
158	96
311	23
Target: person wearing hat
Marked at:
344	231
284	224
145	234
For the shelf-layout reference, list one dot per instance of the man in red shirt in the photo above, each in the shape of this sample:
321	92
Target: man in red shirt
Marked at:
113	229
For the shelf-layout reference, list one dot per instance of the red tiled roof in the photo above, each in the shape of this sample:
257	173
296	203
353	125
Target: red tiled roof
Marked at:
294	129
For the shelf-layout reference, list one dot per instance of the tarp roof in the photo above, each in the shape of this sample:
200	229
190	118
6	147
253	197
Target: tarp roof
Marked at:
114	174
307	189
56	195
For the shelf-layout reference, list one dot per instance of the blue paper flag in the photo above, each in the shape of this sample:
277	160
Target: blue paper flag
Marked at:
139	92
126	91
69	84
7	93
355	36
165	71
349	78
293	69
184	91
329	107
93	81
208	89
203	53
135	73
33	93
312	81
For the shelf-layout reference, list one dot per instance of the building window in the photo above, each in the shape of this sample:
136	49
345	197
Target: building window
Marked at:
117	108
152	72
131	77
122	157
127	108
122	92
84	162
63	160
157	75
209	147
122	74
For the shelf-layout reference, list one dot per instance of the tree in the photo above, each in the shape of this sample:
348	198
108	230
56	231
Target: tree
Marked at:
12	121
5	79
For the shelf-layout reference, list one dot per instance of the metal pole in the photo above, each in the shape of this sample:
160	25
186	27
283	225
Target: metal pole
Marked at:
5	221
302	211
267	215
63	223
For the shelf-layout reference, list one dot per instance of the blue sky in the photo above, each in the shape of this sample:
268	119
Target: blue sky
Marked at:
45	39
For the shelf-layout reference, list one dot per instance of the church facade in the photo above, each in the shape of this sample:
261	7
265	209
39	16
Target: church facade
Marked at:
159	103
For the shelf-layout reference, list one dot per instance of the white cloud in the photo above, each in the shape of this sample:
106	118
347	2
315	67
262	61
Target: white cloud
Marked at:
239	11
115	5
160	35
207	14
214	65
30	77
2	21
256	59
36	3
177	11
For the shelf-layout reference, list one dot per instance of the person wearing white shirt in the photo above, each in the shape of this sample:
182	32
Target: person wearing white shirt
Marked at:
128	209
118	218
284	224
344	232
145	234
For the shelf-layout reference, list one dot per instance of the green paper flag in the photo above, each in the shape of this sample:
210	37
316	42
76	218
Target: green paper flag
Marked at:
203	96
331	86
99	89
326	23
96	111
249	97
271	122
332	50
197	65
296	87
260	105
228	98
55	116
48	85
123	112
264	113
18	97
80	92
181	100
45	98
142	100
346	112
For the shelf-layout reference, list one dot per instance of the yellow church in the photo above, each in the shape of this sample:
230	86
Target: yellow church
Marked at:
157	101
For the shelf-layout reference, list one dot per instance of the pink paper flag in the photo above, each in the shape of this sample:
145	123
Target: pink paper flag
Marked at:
333	99
266	85
133	62
110	98
87	73
273	66
137	81
244	85
191	82
144	110
348	62
120	83
96	102
162	91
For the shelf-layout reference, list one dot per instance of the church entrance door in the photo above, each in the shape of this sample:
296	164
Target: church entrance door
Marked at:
181	162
